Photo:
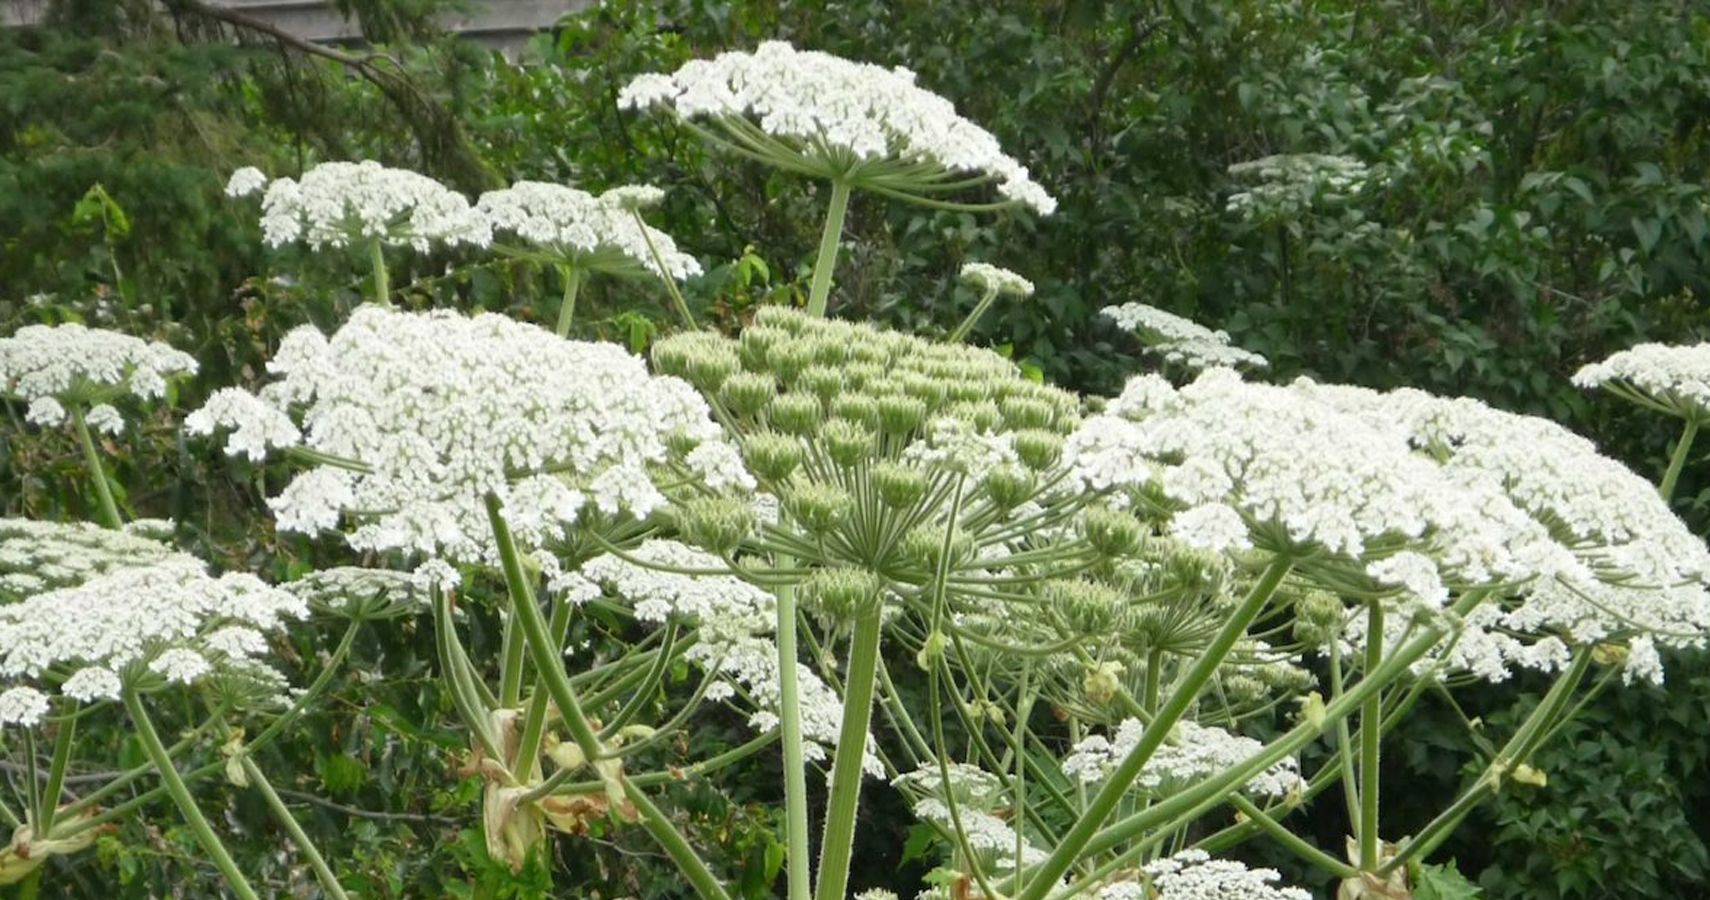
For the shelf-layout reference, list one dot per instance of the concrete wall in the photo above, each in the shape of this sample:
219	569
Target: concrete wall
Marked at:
503	24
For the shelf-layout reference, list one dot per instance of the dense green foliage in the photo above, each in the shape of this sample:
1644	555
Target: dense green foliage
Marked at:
1542	201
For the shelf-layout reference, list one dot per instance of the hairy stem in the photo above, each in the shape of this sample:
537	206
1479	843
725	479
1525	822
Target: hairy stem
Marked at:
1051	871
377	260
186	804
567	308
323	872
790	728
826	260
838	843
1371	741
97	473
961	332
1677	460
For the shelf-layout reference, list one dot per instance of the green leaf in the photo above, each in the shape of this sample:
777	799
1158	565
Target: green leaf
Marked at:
1444	882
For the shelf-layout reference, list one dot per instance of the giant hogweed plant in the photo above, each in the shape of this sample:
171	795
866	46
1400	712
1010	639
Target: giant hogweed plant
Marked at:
1121	619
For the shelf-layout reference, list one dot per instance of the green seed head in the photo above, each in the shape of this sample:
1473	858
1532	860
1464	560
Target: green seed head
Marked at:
901	415
1038	449
747	393
899	486
924	547
819	508
1086	607
857	408
797	414
842	593
822	381
719	524
788	360
1025	412
1009	486
772	456
847	443
1111	532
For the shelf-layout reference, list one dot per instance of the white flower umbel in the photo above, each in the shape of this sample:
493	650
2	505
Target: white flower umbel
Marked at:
1287	185
977	796
53	367
161	617
1191	752
1181	341
736	622
1667	379
245	181
412	420
997	280
591	234
40	556
337	204
828	117
1638	568
1194	875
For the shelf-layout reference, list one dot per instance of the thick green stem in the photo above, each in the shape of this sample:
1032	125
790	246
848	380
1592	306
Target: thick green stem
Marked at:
97	473
548	663
56	772
961	332
281	812
567	309
795	767
1677	461
1371	743
1046	876
664	273
1294	842
826	261
186	804
1518	749
377	259
838	843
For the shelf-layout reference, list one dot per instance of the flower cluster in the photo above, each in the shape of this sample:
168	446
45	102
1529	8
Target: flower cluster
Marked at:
850	425
41	556
976	794
1191	752
50	367
595	234
835	115
336	204
161	617
1181	341
988	277
413	420
1194	875
1288	184
735	622
1671	380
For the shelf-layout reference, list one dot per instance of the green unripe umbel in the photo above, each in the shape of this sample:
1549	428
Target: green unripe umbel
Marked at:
1009	486
719	524
818	508
680	443
899	486
772	456
1039	449
983	415
821	381
788	360
842	593
929	391
1111	532
924	547
756	344
1318	618
857	408
1086	607
856	376
797	414
782	318
701	358
849	444
901	415
829	351
747	393
1024	412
